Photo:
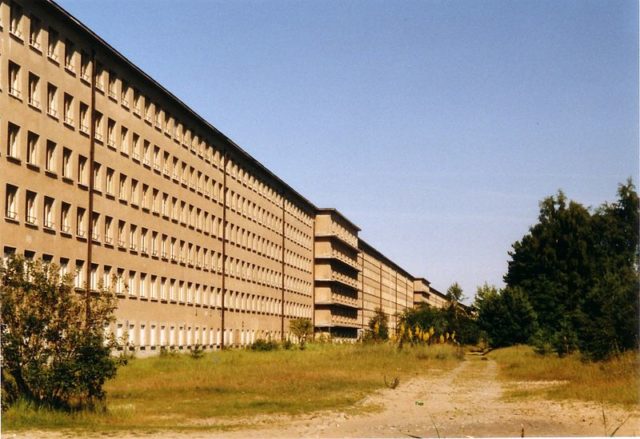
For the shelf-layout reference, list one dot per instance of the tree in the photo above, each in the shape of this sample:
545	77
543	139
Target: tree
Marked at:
54	350
455	293
579	270
378	326
506	316
301	328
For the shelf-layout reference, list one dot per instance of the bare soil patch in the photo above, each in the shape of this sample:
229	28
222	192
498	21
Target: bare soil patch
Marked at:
466	401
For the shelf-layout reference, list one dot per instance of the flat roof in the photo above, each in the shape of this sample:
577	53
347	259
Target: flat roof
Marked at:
384	258
336	212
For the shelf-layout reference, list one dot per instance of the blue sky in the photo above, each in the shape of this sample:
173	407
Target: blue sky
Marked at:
436	126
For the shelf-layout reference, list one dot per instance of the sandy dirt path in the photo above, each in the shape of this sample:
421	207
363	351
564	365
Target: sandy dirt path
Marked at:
464	402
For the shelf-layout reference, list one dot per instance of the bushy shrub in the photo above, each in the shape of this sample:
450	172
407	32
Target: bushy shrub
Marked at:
197	352
262	345
378	327
54	349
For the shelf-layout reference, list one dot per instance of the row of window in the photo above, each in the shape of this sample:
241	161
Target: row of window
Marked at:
119	89
129	190
117	233
151	336
134	284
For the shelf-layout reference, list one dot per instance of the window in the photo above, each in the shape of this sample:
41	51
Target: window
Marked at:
68	109
84	118
135	153
132	282
99	78
14	80
32	148
112	85
34	33
65	221
156	158
144	202
143	290
121	234
124	92
98	126
66	162
34	90
82	170
13	134
158	118
155	201
79	274
69	51
30	208
136	102
50	156
47	213
122	188
108	230
146	152
97	181
111	133
109	181
95	227
133	236
147	110
106	276
154	293
120	287
81	230
84	67
15	20
64	266
154	243
52	100
124	140
143	241
52	45
11	202
134	192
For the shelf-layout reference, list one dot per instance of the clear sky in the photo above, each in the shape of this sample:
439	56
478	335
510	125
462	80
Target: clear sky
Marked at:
436	126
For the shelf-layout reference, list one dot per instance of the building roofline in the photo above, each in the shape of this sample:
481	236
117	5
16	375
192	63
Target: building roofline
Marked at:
437	293
362	242
83	28
422	279
334	211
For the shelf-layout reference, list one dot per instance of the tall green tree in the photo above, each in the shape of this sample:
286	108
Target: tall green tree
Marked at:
579	271
505	315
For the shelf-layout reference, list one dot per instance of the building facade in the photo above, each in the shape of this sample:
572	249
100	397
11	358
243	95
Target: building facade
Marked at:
110	176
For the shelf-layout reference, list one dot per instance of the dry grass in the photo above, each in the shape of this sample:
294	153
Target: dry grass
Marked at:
222	388
615	381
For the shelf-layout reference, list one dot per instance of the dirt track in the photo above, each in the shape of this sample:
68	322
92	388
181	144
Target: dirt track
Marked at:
466	401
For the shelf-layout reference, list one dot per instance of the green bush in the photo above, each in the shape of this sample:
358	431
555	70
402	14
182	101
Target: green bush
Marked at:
54	349
262	345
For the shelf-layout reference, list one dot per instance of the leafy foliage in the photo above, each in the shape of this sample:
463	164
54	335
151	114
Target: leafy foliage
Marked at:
506	316
262	345
378	326
579	271
452	323
54	350
301	328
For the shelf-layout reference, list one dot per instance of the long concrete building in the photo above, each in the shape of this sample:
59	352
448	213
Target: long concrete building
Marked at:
109	175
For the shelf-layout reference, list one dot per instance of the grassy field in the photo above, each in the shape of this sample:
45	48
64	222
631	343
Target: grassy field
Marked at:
615	381
179	392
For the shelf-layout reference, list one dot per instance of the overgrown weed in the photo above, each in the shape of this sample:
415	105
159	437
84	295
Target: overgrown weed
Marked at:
615	381
172	391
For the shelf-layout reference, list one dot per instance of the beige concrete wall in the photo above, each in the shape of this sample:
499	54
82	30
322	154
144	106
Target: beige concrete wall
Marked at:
163	181
171	169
